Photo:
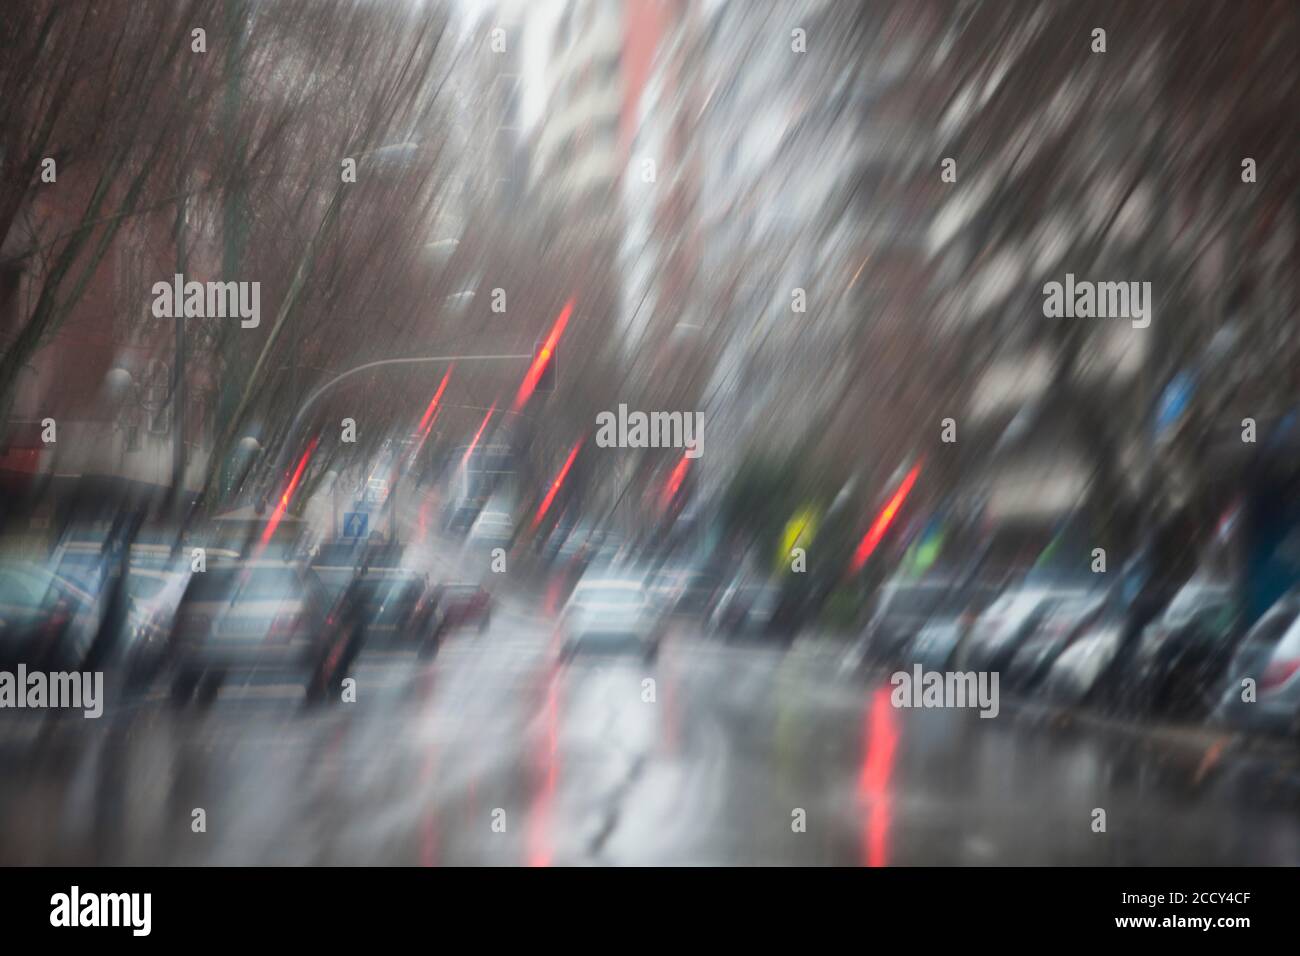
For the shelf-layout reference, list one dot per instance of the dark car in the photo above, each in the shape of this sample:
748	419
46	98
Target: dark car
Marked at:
905	608
745	609
948	627
255	616
46	622
457	606
459	520
397	608
685	592
1184	654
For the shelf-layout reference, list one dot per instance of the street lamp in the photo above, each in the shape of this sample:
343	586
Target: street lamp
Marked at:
247	450
118	380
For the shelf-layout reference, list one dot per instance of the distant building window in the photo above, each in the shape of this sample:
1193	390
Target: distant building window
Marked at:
158	403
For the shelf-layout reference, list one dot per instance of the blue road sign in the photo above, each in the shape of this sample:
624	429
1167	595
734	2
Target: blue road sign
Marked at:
1174	401
354	524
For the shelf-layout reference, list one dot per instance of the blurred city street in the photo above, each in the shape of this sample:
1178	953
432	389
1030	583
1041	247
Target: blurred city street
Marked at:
649	432
588	771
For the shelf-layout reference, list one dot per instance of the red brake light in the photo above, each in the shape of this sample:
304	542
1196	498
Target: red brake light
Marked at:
1278	673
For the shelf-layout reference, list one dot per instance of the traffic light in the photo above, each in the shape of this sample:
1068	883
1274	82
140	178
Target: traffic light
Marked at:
544	361
541	370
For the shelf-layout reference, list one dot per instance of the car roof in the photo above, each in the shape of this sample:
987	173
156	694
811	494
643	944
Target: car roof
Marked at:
370	572
140	572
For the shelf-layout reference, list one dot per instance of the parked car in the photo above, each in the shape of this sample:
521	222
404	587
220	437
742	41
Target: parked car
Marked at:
933	647
1278	702
1184	655
1008	622
155	596
1057	628
397	607
46	621
947	627
610	615
457	606
1075	676
1264	655
263	616
902	610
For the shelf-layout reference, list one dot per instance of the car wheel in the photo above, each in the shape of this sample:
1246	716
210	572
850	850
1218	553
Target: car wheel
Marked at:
209	687
321	679
315	693
183	686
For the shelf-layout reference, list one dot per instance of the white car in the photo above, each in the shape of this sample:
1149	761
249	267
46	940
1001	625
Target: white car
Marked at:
1270	654
253	617
492	529
610	616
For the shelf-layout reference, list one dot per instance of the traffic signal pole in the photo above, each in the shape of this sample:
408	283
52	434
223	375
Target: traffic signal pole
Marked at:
286	446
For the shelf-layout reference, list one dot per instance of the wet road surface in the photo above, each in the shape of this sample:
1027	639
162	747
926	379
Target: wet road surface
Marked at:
495	754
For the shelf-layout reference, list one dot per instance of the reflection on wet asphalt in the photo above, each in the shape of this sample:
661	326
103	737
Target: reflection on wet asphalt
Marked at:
495	754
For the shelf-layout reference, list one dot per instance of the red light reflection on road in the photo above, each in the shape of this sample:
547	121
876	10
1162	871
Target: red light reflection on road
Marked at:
880	736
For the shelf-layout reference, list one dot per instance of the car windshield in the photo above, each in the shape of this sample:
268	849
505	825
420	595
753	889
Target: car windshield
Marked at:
22	587
382	590
244	584
1194	597
144	587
